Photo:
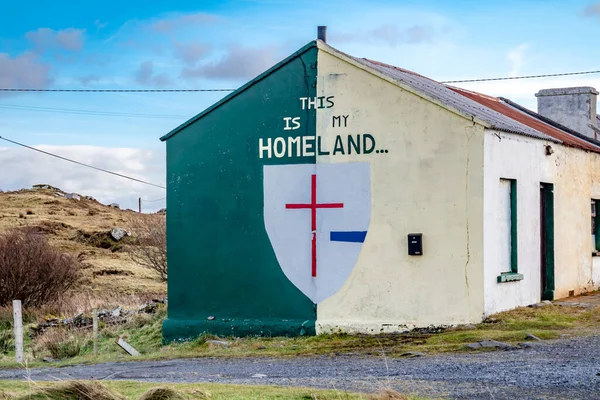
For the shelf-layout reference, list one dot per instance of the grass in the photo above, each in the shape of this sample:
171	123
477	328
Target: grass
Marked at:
135	390
143	332
81	228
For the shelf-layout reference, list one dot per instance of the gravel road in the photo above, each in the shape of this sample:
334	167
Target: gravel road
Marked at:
561	369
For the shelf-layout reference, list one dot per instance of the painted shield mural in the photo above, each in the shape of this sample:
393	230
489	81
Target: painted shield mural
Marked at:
317	217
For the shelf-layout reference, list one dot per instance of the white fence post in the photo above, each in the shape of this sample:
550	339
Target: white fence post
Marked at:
18	324
95	324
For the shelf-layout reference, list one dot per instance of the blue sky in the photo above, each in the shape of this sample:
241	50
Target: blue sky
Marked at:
222	44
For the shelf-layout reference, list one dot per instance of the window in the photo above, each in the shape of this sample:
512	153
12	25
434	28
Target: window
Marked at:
595	205
508	231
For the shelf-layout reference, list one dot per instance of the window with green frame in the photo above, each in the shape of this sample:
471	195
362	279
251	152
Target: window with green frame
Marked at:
595	227
513	233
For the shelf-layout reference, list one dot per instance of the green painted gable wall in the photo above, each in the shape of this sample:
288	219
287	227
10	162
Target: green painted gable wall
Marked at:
224	277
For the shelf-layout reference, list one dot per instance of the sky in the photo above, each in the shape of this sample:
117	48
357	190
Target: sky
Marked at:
187	44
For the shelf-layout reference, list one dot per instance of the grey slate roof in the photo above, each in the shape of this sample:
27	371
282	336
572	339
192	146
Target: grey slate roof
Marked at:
444	95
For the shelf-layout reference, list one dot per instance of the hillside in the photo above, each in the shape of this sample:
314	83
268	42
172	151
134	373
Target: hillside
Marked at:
82	228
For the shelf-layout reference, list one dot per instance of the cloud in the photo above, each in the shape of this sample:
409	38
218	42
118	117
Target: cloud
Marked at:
29	168
23	71
390	34
190	53
593	10
70	39
145	76
238	63
516	57
99	24
167	25
86	80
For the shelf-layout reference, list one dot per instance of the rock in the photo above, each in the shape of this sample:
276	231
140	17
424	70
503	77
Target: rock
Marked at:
49	359
148	308
116	312
259	376
412	354
490	344
118	233
566	304
532	337
114	205
218	343
491	320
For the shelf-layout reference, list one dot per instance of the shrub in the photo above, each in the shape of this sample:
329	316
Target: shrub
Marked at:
32	271
6	341
149	243
61	343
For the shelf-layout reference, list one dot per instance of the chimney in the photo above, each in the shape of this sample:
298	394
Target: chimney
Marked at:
322	33
573	107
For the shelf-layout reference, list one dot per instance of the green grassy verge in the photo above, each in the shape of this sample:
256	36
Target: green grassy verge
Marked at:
20	390
144	333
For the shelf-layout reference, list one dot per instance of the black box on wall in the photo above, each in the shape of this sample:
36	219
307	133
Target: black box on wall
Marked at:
415	244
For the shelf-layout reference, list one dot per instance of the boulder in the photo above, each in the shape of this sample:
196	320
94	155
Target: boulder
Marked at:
118	233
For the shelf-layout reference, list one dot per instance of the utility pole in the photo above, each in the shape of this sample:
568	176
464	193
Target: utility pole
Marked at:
140	204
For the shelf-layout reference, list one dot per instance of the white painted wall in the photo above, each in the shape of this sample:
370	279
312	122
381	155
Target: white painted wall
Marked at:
576	177
578	181
430	181
508	156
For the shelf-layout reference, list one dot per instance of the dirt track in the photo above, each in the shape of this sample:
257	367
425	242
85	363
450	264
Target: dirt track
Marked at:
562	369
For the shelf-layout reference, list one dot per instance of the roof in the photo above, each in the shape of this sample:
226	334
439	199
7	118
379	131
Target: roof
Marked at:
531	119
449	97
491	112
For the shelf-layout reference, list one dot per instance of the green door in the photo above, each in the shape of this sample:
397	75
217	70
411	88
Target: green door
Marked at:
547	240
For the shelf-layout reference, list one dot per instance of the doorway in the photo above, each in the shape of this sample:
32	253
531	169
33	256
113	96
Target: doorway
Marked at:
547	240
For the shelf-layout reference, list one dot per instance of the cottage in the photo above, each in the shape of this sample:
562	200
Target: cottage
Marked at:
340	193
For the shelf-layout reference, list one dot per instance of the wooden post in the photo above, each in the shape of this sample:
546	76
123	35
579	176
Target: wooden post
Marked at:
95	327
140	204
18	324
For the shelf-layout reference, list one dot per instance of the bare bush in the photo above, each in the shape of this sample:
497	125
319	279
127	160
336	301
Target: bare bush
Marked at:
148	244
32	271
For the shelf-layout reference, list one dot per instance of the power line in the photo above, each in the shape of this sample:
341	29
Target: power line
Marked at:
231	90
82	164
115	90
523	77
88	112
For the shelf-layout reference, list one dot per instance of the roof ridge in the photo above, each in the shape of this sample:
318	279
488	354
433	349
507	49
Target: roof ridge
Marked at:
399	69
